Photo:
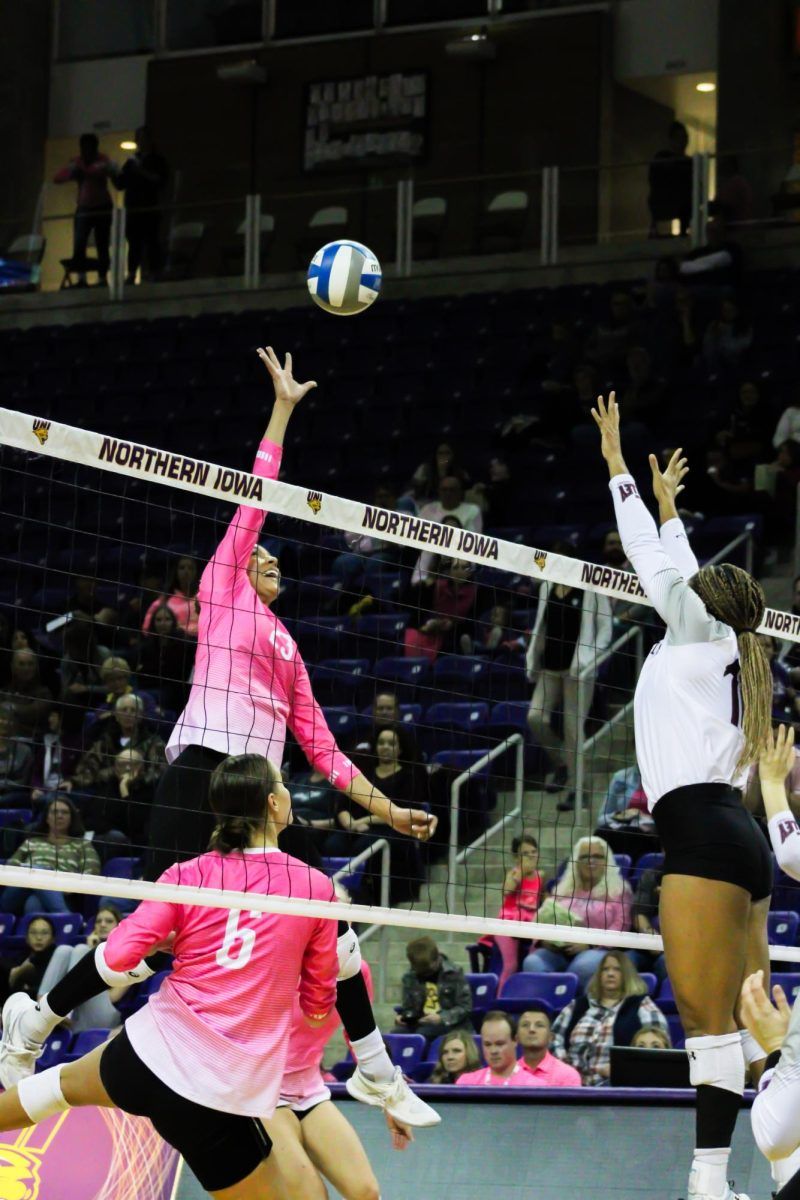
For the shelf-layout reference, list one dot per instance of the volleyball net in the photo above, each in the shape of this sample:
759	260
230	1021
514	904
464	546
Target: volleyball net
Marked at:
416	634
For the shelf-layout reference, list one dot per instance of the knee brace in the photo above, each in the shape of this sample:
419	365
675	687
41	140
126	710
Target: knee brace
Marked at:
349	953
41	1095
717	1061
112	978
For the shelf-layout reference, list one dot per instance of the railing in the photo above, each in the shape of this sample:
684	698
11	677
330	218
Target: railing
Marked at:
383	848
584	745
455	856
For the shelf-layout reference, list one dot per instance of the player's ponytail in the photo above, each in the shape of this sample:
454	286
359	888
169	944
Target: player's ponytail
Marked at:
737	599
238	798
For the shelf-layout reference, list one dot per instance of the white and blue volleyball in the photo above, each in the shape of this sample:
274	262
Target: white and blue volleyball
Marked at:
344	278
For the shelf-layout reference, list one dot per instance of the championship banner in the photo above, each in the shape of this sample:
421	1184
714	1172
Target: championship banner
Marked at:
88	1154
137	461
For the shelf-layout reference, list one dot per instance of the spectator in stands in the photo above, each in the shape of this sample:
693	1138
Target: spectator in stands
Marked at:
16	763
652	1037
450	502
366	556
181	596
448	627
314	803
716	266
27	695
426	572
643	394
24	971
82	685
522	889
645	912
58	843
436	997
54	762
612	552
82	602
386	715
748	434
498	497
358	830
116	675
534	1037
727	337
670	179
100	1012
149	588
785	701
788	426
458	1053
504	1069
614	1007
734	198
572	628
430	475
625	811
592	893
142	178
91	170
495	635
165	660
125	730
608	343
118	809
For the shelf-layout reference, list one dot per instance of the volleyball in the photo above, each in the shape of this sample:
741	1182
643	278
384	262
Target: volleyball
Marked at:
344	278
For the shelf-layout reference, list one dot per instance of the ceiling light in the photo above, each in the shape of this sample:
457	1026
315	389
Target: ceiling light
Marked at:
706	86
128	146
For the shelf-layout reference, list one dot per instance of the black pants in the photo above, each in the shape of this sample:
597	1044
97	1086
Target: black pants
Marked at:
144	246
182	822
86	220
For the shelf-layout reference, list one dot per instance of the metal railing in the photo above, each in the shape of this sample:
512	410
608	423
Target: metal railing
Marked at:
455	856
383	848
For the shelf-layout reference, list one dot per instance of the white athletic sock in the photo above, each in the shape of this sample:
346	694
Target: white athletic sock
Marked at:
370	1054
709	1175
38	1023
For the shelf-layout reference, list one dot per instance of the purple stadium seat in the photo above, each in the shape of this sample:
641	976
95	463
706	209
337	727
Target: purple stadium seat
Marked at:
123	867
676	1031
406	1050
407	676
66	925
84	1042
449	724
651	981
462	676
484	990
7	923
344	723
555	989
337	681
665	999
623	861
55	1049
351	881
15	816
790	984
782	928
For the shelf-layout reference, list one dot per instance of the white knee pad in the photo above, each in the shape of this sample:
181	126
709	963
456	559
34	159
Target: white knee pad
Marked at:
41	1095
717	1061
775	1113
136	974
349	953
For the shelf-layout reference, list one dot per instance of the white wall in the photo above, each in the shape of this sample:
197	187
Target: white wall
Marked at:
658	37
106	93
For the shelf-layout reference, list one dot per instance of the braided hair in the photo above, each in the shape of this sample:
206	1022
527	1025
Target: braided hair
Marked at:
735	598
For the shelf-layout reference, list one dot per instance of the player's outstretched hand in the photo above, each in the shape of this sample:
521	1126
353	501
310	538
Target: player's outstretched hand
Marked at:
668	484
414	822
777	757
402	1134
766	1022
287	389
606	418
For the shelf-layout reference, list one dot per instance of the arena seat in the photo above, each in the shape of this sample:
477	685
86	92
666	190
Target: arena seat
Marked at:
339	680
84	1043
123	867
790	982
484	990
782	928
55	1050
555	989
406	1050
409	676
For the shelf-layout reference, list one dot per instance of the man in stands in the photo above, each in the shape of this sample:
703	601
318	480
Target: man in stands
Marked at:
436	997
500	1052
534	1032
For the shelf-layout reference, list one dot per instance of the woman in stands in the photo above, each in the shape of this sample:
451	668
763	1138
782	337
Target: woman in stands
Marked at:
702	713
250	681
204	1058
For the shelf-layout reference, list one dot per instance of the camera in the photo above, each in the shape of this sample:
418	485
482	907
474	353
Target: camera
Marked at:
409	1015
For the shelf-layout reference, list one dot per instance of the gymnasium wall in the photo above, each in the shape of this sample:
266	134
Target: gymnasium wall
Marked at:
548	1149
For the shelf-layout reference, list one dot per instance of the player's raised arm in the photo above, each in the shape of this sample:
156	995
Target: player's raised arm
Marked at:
775	764
667	485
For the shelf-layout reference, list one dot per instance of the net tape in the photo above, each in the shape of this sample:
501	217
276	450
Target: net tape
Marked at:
138	461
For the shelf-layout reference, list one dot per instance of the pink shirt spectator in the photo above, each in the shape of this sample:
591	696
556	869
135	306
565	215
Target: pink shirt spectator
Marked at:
522	903
553	1073
91	178
600	912
519	1077
217	1031
250	681
183	608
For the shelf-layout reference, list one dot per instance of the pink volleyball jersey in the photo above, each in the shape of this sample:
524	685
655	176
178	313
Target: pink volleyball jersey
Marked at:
250	681
217	1031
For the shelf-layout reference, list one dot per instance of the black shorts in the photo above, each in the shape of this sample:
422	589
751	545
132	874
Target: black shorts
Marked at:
221	1148
705	830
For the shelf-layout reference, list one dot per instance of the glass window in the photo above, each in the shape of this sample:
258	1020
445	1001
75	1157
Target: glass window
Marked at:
195	24
87	29
321	16
423	12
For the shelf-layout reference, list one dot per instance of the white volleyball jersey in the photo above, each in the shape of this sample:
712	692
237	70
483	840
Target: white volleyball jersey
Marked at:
688	703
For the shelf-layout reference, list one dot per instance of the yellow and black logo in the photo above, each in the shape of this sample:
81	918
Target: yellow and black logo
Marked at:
314	501
540	558
41	430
